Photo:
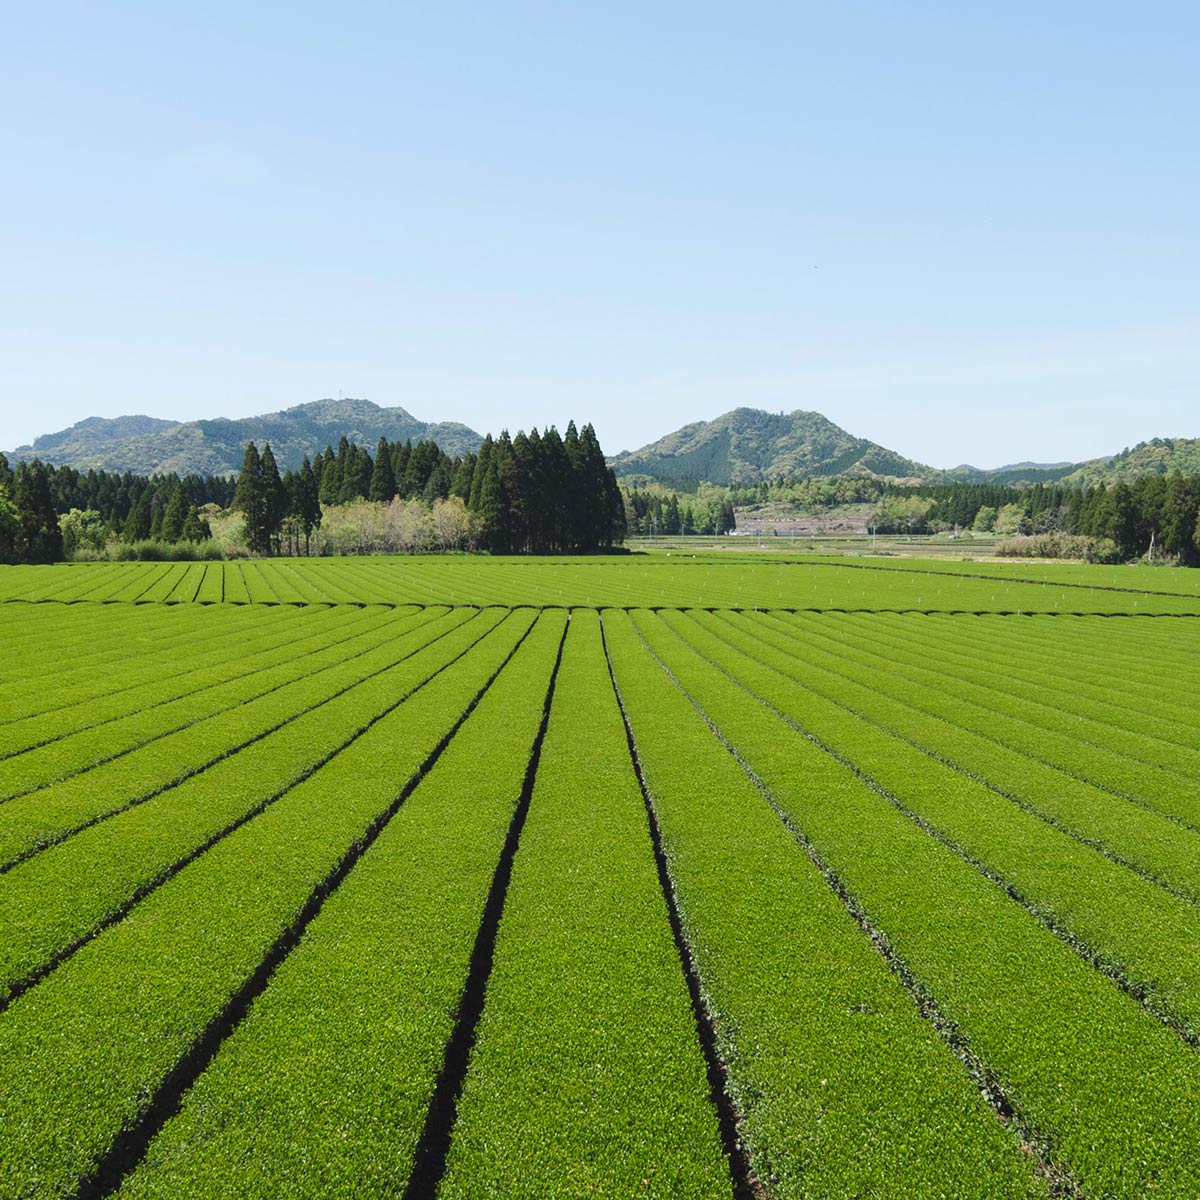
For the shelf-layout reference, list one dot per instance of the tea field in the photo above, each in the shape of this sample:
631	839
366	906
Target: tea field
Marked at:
665	876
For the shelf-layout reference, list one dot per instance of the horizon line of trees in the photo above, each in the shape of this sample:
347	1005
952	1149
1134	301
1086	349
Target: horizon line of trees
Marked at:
1158	510
1122	518
49	511
650	512
537	492
546	493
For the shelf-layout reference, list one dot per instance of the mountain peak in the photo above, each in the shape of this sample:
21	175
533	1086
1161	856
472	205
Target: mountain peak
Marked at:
749	444
153	446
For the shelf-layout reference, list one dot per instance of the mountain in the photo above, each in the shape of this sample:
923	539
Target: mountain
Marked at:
1012	475
747	445
742	446
1158	456
149	445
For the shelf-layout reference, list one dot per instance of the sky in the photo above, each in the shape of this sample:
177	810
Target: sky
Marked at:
966	231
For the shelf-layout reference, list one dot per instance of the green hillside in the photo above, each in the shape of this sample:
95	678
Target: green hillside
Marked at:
746	445
1159	456
149	445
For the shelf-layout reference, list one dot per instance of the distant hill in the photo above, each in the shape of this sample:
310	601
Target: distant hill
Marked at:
1158	456
739	447
150	446
1012	475
747	445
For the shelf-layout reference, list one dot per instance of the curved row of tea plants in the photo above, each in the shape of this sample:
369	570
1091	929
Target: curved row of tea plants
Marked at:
31	822
357	1017
1119	1120
843	1088
1125	830
96	1056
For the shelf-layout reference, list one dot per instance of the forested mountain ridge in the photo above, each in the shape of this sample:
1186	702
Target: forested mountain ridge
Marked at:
747	444
739	448
1158	456
152	446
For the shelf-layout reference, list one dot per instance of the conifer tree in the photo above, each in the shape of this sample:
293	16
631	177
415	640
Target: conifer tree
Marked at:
304	504
400	456
383	482
460	483
492	512
481	466
1178	517
331	477
594	511
195	527
156	514
137	524
1125	530
617	524
252	500
310	502
356	475
39	539
671	520
276	495
556	484
437	486
10	525
174	516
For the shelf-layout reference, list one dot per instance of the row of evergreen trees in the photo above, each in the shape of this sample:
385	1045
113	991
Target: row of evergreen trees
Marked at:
420	472
541	492
1159	508
115	496
28	519
36	497
1154	509
650	513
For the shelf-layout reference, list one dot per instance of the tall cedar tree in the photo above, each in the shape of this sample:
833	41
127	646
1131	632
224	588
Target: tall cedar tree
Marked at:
10	526
175	516
276	494
356	475
545	493
383	481
137	524
254	501
306	501
330	477
39	539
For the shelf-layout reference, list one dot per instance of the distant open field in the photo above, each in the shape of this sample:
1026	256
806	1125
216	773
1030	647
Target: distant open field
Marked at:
667	579
658	875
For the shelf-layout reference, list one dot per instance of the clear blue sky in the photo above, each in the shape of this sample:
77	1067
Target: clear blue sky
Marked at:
968	231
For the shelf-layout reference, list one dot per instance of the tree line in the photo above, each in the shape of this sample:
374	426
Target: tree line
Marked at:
48	511
1126	518
537	492
1118	521
545	493
650	512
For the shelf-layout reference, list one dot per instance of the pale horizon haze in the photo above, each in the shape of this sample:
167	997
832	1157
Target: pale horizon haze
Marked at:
966	232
